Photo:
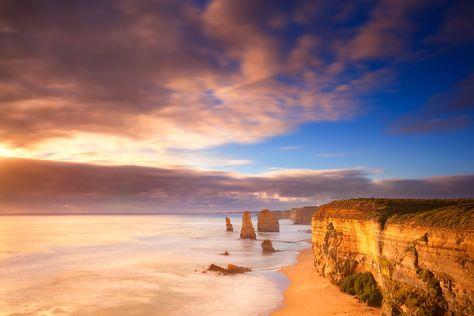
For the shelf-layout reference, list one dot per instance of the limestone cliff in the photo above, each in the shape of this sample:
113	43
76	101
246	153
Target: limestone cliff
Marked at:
247	231
267	222
420	252
303	215
299	215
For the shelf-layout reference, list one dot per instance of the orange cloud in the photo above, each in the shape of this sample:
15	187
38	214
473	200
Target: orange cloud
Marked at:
86	82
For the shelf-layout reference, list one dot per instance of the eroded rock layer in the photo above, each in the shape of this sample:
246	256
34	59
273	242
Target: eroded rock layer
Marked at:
267	222
228	225
420	252
300	215
267	246
247	231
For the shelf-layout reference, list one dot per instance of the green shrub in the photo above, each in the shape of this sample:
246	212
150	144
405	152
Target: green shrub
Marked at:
363	285
429	277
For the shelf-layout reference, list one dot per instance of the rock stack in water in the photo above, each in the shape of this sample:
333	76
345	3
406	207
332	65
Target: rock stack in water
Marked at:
231	269
267	246
228	225
267	222
247	232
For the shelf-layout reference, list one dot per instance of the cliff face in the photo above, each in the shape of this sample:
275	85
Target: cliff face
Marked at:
420	252
303	215
300	215
267	222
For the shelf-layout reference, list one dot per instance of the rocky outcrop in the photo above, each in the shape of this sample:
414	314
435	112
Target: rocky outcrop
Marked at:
418	253
303	215
300	215
231	269
228	225
267	222
247	231
267	246
282	214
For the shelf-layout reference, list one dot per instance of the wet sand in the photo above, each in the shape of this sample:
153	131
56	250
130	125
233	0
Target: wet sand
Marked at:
311	294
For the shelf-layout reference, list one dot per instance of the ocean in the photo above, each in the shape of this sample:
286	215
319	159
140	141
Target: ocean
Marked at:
139	265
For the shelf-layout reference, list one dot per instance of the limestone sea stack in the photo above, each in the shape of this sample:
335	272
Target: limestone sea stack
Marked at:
247	232
267	246
267	222
228	225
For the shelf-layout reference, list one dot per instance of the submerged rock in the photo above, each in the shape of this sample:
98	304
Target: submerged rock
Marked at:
267	246
267	222
231	269
228	225
247	231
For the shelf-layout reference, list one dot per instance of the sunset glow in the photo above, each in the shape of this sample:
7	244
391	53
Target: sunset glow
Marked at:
364	93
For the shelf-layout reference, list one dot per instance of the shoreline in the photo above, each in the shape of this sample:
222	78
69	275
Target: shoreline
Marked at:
309	292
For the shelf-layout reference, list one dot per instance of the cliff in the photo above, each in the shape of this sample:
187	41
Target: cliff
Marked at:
300	215
267	222
415	257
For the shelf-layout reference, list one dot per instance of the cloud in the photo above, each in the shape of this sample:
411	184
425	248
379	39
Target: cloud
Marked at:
33	186
457	20
450	110
290	148
81	81
330	155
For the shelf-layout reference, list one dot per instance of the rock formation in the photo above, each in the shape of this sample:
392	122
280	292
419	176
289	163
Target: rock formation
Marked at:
247	231
231	269
300	216
267	222
303	215
414	257
267	246
228	225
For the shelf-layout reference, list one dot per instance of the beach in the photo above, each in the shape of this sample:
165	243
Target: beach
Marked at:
311	294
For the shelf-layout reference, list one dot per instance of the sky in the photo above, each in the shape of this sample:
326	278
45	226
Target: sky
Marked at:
195	106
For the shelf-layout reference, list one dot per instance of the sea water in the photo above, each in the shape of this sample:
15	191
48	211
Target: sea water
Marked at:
139	265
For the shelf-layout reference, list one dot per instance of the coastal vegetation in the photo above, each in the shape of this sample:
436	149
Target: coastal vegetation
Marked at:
364	286
442	213
412	257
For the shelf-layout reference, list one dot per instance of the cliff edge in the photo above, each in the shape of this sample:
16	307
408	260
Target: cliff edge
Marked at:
413	257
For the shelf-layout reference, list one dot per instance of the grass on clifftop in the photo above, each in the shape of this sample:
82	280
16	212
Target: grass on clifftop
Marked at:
456	216
441	213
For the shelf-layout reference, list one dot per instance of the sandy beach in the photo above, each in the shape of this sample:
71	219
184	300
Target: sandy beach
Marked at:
311	294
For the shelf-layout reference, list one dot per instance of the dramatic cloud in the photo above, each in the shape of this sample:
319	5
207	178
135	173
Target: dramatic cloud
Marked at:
34	186
447	111
86	80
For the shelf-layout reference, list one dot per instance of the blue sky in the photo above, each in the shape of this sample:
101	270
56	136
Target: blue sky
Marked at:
367	140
